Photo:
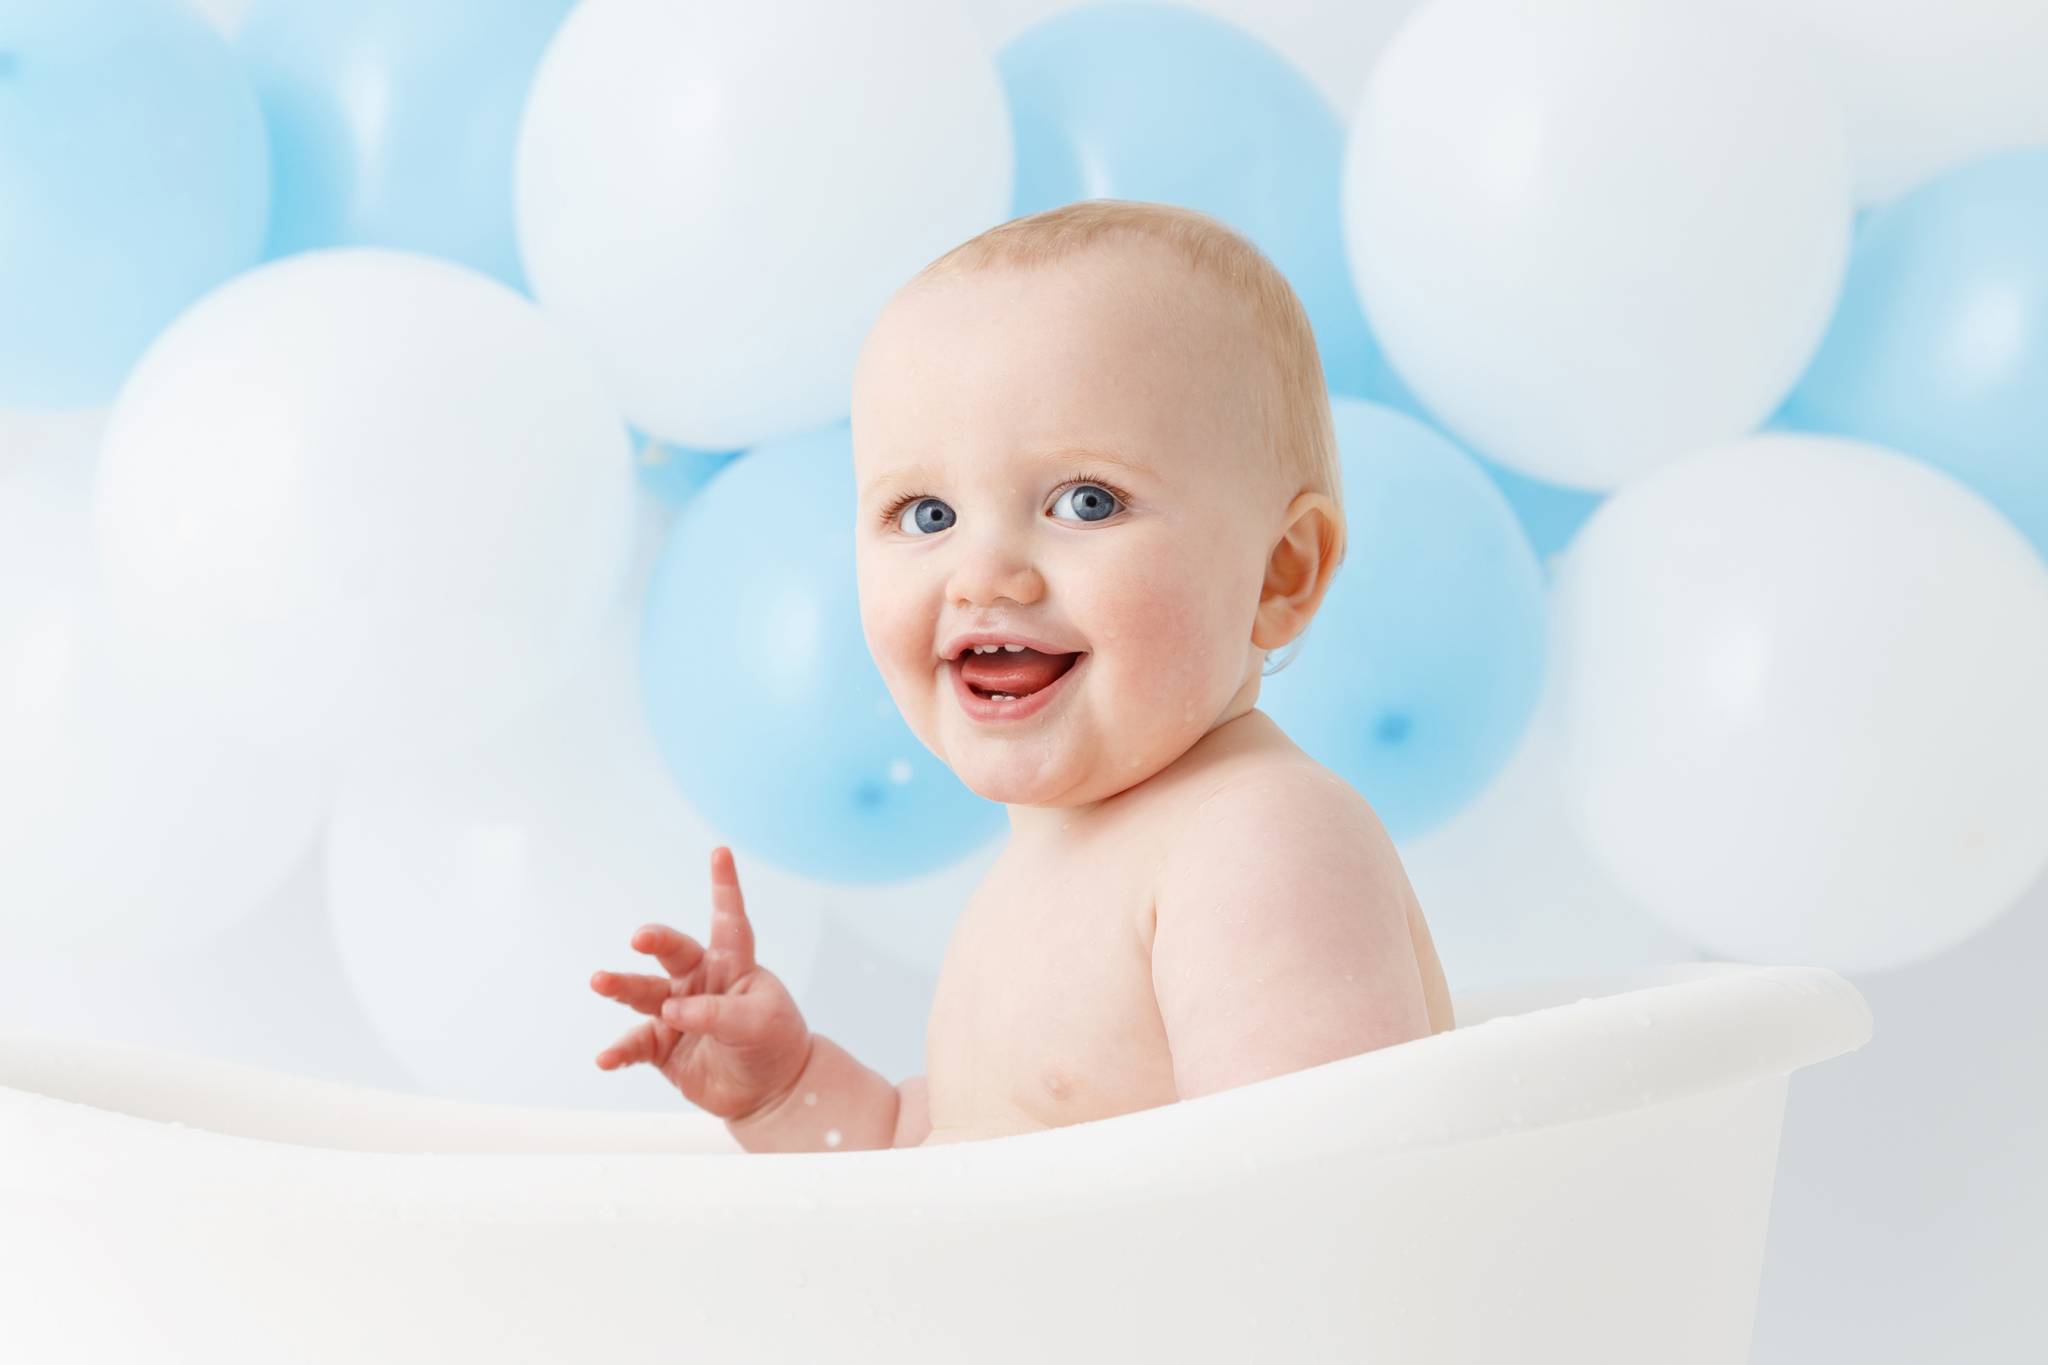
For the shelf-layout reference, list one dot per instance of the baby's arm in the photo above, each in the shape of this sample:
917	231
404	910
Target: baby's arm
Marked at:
837	1104
1281	936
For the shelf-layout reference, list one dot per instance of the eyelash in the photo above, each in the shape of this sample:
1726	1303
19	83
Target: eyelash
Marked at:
895	509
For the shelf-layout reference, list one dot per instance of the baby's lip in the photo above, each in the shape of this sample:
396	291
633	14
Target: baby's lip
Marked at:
960	644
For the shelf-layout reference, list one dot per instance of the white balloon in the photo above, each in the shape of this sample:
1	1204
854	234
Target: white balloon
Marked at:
1511	892
1930	87
364	499
720	198
653	517
265	992
1804	684
474	894
34	441
1596	234
125	821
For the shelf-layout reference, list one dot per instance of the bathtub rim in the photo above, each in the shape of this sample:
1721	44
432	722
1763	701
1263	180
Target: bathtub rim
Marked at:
1711	1025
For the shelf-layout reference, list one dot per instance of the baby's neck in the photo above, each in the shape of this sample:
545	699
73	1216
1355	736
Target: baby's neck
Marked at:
1248	729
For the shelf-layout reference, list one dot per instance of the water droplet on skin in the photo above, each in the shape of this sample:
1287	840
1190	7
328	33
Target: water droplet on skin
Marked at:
832	1138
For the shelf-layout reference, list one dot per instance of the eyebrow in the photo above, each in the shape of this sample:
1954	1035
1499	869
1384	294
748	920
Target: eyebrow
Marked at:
921	471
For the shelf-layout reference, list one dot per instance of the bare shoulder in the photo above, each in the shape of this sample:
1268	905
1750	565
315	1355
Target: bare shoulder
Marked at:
1305	798
1285	931
1283	820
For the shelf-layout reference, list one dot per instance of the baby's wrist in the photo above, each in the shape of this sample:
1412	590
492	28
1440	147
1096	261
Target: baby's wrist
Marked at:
835	1104
754	1118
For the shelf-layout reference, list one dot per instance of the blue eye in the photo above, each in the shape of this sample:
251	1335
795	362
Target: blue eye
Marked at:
1093	499
930	515
1092	502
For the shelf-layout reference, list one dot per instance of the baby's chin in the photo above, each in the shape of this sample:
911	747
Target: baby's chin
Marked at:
1016	779
1026	774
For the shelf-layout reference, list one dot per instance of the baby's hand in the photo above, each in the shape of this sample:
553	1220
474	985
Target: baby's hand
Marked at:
724	1031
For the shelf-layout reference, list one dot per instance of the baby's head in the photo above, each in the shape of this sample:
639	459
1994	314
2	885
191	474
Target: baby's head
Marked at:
1104	428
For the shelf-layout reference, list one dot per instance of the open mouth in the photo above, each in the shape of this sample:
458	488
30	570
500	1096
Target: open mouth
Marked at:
1013	675
1011	685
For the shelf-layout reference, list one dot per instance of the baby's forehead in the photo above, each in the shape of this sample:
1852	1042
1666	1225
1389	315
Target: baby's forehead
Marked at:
1108	337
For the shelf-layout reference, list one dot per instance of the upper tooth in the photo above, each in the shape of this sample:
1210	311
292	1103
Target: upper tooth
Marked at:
990	649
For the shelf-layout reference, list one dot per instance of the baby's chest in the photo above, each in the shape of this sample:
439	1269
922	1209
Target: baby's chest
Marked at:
1044	1015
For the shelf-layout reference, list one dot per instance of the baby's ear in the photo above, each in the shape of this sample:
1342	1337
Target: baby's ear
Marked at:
1298	571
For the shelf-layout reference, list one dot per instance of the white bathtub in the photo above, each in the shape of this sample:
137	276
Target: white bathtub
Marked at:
1558	1179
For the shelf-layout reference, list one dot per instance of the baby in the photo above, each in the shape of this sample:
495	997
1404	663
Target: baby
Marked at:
1098	482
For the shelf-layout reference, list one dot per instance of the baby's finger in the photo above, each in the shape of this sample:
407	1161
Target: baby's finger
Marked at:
641	1044
735	1019
638	989
731	934
677	952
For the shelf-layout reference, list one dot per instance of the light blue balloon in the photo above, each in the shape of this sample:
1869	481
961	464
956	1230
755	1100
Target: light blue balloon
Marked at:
395	122
133	178
1418	675
1939	347
675	473
1165	103
1550	514
768	710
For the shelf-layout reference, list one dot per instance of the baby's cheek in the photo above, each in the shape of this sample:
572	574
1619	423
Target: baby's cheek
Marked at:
893	640
1208	601
1165	636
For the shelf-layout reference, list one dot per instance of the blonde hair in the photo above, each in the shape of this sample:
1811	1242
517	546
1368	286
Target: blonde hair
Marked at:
1294	406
